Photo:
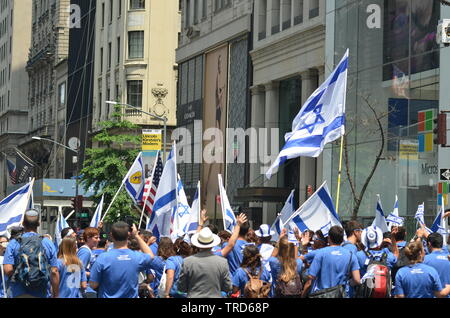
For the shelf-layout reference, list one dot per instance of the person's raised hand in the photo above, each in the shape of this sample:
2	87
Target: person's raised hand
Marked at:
283	233
151	240
203	217
134	231
241	219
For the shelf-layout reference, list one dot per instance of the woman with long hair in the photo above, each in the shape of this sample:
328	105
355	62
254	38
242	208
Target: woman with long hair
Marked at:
72	275
286	268
418	280
173	268
251	266
158	263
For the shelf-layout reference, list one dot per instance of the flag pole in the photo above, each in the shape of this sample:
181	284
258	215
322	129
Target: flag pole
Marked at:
115	196
339	176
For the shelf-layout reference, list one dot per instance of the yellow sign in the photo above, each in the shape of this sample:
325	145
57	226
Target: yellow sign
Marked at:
136	178
151	140
409	150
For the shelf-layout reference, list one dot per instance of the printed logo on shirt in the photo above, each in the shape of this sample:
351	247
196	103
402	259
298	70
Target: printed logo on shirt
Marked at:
416	271
442	257
336	253
123	258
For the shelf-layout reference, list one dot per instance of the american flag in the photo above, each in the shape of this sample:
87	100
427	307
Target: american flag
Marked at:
12	171
151	185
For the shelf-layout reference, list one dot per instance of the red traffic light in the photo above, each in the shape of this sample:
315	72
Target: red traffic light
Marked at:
440	132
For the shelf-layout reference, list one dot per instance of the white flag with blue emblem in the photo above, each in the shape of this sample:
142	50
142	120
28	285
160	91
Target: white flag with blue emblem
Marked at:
380	219
439	223
98	214
195	212
165	199
321	120
420	217
317	213
61	224
13	207
229	219
394	219
182	214
135	181
284	215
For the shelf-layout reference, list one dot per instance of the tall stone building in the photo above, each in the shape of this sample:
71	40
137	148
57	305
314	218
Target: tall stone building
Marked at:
15	36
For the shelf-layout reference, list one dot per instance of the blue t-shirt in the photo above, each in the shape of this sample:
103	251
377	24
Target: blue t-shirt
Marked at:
309	257
240	277
69	283
11	257
439	261
117	273
401	244
363	260
332	266
87	258
175	263
154	248
275	268
417	281
236	255
157	265
350	246
97	252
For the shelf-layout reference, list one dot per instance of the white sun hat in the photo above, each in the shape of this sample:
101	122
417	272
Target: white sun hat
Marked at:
205	239
264	231
372	237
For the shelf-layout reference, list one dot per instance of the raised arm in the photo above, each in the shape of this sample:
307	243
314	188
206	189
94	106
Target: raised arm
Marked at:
275	250
241	219
202	221
142	244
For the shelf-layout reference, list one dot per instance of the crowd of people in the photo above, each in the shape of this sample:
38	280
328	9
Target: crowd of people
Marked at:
350	262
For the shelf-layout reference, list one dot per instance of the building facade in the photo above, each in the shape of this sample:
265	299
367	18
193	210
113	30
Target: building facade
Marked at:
15	37
398	74
135	60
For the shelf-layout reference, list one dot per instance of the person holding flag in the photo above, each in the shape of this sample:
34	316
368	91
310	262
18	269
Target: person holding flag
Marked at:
284	215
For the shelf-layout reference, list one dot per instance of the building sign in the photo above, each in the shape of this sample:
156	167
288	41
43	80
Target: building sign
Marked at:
151	140
409	164
425	126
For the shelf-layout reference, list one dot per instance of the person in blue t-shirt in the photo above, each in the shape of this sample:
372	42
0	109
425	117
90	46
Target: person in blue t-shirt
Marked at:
372	239
91	237
353	230
158	262
438	258
251	265
115	274
3	245
173	268
11	259
332	265
418	280
71	271
235	256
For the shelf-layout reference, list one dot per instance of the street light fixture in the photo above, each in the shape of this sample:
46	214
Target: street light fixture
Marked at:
77	172
164	119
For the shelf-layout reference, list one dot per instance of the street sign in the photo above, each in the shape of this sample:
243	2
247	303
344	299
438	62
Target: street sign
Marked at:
445	175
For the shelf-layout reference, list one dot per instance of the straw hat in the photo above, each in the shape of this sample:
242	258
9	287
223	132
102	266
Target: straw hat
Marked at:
205	239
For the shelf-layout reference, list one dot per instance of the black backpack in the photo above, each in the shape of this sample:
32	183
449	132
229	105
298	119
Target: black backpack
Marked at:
291	289
32	269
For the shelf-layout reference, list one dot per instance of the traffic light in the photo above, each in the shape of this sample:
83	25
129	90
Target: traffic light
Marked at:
440	130
77	203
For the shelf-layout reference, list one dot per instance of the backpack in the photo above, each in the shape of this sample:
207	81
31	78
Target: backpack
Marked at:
291	289
380	285
255	287
32	269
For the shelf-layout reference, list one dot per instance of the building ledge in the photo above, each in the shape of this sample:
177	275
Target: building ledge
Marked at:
262	194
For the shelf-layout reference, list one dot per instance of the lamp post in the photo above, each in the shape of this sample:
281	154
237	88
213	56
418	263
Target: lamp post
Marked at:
164	119
77	215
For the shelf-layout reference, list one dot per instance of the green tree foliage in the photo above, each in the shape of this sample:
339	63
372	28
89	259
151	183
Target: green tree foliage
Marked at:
105	167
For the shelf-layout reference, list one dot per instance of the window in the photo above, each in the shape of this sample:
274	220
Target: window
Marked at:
137	4
119	8
111	10
204	8
313	9
298	12
136	44
109	55
103	15
118	50
196	11
134	93
101	60
62	94
188	14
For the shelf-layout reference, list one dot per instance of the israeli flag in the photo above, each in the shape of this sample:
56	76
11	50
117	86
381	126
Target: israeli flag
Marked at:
135	180
380	220
317	213
61	224
229	219
284	215
420	216
165	199
195	212
321	119
394	219
182	214
439	223
98	214
13	207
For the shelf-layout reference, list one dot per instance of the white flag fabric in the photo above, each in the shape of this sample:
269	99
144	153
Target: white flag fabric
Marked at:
420	216
135	180
394	219
439	223
98	214
61	224
195	212
321	120
165	199
380	219
317	213
229	219
182	214
13	207
284	215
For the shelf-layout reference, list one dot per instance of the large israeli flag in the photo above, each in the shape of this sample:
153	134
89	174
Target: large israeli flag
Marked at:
284	215
61	224
13	207
165	198
380	220
317	213
321	119
182	214
98	214
195	212
229	219
135	180
394	219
